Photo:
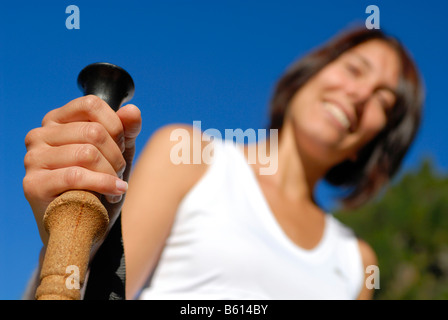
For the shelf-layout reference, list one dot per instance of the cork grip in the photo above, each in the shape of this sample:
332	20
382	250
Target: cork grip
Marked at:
75	221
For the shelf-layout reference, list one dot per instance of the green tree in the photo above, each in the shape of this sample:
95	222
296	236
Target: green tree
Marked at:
407	226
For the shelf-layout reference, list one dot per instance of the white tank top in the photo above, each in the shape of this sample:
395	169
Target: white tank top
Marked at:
227	244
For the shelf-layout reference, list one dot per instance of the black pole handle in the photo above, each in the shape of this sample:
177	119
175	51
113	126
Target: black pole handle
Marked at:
109	82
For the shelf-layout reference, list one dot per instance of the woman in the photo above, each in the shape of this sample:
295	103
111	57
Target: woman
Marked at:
347	112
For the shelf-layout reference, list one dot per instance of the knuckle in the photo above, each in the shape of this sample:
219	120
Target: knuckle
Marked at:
46	118
87	154
92	102
31	137
92	105
28	186
31	187
95	133
72	176
30	159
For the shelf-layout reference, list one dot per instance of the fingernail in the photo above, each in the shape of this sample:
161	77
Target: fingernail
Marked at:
121	144
113	199
121	185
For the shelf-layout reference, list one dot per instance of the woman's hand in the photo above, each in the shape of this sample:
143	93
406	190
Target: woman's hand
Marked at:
83	145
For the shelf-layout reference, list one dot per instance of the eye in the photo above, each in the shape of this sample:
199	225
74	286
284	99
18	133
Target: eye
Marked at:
353	69
385	102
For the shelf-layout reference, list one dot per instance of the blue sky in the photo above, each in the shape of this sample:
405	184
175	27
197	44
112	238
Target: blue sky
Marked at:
213	61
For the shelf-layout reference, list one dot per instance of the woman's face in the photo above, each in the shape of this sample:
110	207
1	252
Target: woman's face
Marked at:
345	105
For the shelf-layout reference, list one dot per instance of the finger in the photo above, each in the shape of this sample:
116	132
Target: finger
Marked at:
87	108
82	155
88	133
78	178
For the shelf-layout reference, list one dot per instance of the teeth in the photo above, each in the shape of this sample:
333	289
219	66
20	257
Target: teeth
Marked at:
338	114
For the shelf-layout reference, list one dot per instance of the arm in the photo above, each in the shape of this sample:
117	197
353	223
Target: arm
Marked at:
156	188
368	258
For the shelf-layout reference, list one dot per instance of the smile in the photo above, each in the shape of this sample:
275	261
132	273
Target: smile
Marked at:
337	114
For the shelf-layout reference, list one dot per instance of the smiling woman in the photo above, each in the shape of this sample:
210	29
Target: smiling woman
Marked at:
346	112
371	79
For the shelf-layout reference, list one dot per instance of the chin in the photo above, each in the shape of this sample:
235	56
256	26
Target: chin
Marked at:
321	142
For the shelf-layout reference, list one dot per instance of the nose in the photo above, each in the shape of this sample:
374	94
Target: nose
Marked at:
359	91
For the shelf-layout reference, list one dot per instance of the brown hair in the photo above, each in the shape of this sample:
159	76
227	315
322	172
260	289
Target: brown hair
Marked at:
380	159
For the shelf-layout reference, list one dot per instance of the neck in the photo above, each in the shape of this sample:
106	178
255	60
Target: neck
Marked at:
297	174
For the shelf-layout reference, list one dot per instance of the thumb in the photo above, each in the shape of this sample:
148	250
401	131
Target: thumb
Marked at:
131	119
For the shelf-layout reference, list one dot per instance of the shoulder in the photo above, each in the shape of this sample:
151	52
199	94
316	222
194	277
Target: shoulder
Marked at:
168	136
172	152
367	253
